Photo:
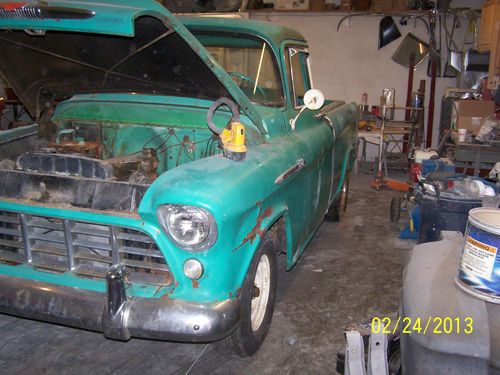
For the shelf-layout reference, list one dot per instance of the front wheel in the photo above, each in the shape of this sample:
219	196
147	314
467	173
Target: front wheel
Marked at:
258	296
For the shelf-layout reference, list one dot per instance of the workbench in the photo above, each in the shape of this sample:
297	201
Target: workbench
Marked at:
477	156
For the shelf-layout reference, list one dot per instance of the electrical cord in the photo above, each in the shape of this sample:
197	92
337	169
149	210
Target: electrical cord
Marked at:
219	102
181	144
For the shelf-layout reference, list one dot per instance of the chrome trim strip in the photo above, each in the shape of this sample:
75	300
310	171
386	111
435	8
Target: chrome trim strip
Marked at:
68	237
336	104
22	136
113	235
26	238
290	171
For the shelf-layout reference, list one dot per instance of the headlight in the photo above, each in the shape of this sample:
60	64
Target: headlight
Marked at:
191	227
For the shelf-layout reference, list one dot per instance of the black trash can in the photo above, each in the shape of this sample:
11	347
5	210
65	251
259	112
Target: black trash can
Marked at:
443	212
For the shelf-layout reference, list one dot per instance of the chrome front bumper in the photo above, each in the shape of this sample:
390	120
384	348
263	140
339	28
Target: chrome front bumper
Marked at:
116	315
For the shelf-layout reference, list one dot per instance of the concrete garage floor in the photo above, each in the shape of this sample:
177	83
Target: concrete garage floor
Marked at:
350	273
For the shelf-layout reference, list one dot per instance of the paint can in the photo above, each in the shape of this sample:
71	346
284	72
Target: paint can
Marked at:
479	271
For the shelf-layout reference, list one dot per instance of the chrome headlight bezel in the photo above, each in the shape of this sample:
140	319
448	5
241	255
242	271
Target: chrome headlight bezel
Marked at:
164	213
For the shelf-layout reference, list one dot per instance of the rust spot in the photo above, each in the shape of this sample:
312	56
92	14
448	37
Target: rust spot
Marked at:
195	284
93	149
256	230
167	280
9	263
158	290
167	295
230	294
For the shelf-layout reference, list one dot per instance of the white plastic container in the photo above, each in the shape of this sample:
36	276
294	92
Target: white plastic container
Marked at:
461	135
420	155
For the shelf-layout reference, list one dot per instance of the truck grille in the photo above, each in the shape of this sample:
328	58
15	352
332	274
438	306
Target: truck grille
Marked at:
61	245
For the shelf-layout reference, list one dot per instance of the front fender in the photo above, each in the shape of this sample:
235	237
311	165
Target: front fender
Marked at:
244	201
258	222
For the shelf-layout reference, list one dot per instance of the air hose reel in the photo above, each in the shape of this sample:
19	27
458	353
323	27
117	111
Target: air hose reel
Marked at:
232	137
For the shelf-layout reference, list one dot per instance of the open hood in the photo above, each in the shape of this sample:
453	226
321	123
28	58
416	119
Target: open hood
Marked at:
121	46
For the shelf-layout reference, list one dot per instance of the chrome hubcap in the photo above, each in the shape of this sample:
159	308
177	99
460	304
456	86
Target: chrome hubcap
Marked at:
260	292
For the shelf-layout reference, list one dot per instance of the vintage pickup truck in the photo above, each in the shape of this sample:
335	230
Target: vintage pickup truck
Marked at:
176	159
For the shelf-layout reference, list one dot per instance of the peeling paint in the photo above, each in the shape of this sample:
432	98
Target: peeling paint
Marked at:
256	230
167	295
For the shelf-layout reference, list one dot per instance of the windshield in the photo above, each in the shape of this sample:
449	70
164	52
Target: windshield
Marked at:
250	62
56	63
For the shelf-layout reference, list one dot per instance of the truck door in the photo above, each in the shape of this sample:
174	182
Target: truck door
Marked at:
313	143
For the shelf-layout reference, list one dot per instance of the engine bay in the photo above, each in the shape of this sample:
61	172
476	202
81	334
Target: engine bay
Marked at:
136	154
100	165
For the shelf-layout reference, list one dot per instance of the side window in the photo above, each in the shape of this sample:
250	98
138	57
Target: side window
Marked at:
298	74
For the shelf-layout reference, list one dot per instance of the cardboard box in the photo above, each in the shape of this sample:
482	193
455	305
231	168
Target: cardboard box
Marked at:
345	5
400	5
292	4
381	5
317	5
471	114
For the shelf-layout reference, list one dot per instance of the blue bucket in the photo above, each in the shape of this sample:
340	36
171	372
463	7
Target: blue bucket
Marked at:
479	272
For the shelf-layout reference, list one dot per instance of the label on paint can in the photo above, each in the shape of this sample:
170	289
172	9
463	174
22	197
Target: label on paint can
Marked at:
478	258
479	271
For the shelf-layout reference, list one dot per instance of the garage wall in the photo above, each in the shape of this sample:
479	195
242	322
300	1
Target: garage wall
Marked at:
347	63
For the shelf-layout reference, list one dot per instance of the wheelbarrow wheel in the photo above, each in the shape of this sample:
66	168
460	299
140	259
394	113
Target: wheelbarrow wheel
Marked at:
396	203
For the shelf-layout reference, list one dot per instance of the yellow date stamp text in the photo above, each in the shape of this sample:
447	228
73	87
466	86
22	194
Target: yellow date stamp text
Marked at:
435	325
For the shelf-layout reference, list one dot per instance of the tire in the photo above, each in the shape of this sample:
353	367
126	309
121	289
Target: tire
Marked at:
258	297
394	356
339	205
396	209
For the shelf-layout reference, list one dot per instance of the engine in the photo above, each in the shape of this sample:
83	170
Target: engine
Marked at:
79	151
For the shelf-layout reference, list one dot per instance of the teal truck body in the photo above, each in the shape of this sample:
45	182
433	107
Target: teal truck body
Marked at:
128	215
